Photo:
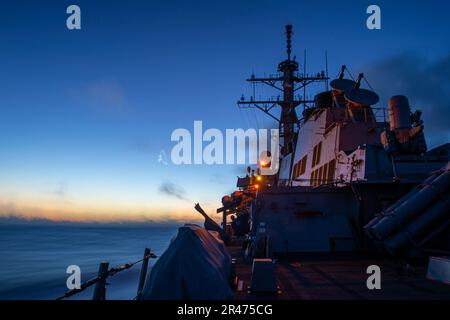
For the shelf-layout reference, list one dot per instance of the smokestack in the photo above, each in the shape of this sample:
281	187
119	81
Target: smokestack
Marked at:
399	113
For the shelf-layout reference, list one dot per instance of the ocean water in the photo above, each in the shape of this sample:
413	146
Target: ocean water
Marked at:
34	258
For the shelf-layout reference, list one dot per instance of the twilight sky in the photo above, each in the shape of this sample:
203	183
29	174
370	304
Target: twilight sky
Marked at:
85	114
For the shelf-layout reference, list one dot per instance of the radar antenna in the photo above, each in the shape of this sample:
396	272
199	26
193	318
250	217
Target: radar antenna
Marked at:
361	97
288	81
340	84
288	40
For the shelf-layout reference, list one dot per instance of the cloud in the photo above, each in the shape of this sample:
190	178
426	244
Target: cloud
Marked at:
8	209
104	95
143	222
425	82
12	213
140	145
173	190
61	191
107	94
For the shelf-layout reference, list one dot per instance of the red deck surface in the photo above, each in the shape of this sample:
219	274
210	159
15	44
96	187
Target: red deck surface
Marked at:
339	278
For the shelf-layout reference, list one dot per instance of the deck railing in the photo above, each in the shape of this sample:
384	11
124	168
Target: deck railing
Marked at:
104	272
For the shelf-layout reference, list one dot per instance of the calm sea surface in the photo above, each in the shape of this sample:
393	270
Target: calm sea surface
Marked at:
33	259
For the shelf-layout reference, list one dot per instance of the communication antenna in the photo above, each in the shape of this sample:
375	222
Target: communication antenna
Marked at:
288	40
340	84
359	96
304	74
326	70
289	82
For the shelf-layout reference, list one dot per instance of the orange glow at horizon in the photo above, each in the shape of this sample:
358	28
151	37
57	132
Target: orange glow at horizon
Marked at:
69	212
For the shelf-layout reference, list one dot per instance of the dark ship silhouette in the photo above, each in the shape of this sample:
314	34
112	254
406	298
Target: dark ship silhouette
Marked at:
356	187
355	192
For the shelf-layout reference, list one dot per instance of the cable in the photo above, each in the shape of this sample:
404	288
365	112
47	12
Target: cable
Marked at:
367	81
348	71
111	272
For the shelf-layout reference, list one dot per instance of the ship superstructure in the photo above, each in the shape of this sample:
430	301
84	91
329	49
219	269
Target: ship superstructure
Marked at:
342	162
356	187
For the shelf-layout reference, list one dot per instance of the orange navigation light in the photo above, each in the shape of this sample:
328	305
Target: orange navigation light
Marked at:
259	178
264	164
265	159
256	186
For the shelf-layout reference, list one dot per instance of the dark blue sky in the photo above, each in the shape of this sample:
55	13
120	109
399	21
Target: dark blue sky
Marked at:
84	114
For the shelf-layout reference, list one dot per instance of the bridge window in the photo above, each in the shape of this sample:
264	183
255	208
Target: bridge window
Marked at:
325	173
319	176
331	169
317	151
296	166
300	167
303	164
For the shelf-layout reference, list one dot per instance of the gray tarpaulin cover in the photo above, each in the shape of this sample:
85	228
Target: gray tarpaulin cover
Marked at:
195	266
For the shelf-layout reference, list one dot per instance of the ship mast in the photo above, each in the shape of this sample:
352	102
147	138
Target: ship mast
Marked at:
289	81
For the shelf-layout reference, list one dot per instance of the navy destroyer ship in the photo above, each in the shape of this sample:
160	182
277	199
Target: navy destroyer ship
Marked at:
357	191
